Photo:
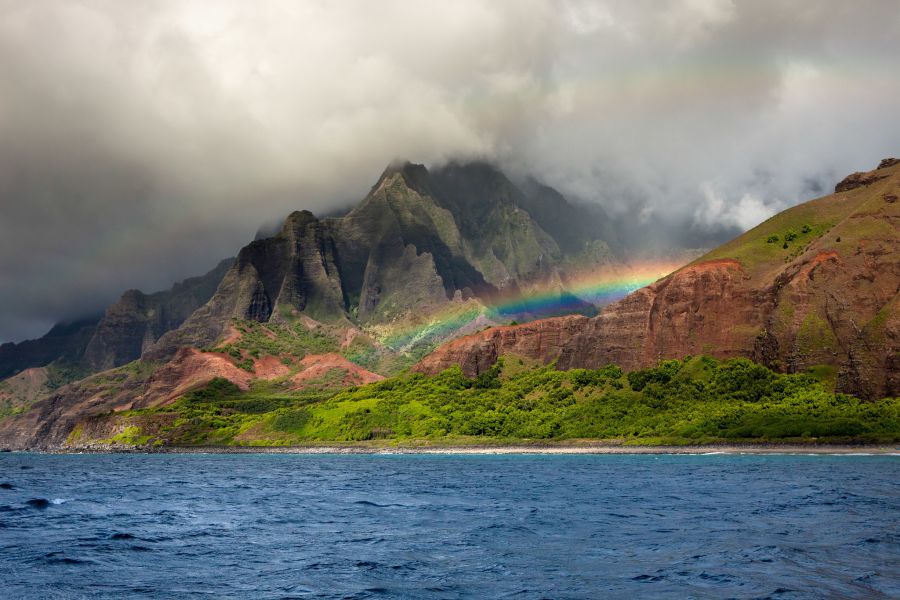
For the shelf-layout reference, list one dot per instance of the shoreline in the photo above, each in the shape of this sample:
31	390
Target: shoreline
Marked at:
499	449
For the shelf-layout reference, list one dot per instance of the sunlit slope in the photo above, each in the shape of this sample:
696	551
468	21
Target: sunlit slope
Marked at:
813	287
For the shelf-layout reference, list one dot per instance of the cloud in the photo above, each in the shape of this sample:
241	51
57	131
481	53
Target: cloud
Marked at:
743	213
141	142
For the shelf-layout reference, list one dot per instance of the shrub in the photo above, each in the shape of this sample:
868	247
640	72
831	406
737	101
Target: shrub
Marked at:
743	379
663	373
293	420
217	389
490	379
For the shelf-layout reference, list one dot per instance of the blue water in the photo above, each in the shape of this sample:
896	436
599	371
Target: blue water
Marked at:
318	526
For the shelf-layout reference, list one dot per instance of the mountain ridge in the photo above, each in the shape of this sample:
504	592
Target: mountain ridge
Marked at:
140	323
117	336
419	241
421	244
816	285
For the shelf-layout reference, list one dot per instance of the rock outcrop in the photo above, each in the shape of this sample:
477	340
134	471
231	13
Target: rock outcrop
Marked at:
815	285
676	316
293	271
542	340
859	179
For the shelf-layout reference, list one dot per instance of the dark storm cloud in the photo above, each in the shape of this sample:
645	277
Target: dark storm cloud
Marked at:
142	141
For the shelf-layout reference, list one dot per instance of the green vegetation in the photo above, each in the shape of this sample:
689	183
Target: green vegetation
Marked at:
692	401
9	407
60	373
292	339
786	234
19	392
130	436
276	339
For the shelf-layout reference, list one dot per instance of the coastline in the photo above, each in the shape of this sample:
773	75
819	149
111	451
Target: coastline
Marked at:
501	449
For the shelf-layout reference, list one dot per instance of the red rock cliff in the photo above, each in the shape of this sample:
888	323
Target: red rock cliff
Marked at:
815	285
540	340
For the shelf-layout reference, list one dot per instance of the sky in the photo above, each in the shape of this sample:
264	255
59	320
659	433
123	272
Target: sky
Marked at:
141	142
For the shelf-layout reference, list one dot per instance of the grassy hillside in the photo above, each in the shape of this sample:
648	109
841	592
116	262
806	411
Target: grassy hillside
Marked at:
786	235
837	222
692	401
19	392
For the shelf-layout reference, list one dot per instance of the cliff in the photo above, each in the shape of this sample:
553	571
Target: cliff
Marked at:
337	293
137	320
65	341
418	243
542	340
814	286
127	328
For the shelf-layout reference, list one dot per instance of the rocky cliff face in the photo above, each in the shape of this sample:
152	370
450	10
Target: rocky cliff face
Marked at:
293	271
542	340
420	241
127	328
66	342
815	285
137	320
676	316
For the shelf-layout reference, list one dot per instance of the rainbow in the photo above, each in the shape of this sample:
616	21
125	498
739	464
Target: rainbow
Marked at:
595	289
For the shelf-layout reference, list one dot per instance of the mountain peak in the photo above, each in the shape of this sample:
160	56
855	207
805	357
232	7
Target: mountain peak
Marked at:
297	220
415	175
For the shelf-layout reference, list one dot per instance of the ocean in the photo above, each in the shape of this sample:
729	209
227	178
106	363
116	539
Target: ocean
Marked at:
449	526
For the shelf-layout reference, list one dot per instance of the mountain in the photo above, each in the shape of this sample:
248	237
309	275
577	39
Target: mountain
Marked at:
425	256
452	239
572	226
814	287
64	342
138	320
128	326
420	242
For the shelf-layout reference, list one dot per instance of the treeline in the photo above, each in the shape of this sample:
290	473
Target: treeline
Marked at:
695	400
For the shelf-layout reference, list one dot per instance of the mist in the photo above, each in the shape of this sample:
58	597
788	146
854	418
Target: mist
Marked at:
141	142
